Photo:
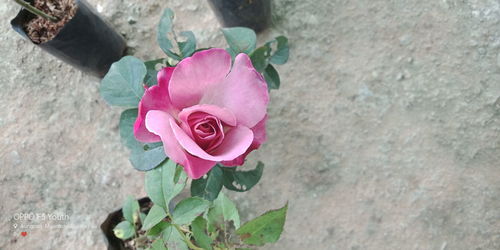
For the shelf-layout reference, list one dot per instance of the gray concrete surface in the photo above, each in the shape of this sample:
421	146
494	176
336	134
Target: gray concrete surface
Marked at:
385	134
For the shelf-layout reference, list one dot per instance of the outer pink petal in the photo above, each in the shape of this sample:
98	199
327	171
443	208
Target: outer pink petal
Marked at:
194	75
155	98
235	143
196	167
259	131
260	137
223	114
163	77
244	92
141	133
158	122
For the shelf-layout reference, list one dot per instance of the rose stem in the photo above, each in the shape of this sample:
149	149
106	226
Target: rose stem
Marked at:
36	11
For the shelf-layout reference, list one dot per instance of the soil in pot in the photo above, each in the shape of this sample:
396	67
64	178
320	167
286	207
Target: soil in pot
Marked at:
41	30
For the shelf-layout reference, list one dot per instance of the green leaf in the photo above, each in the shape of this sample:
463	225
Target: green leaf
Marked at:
158	244
272	77
266	228
241	181
122	85
165	27
130	210
127	120
143	156
174	186
124	230
154	185
202	239
228	209
174	239
156	215
142	216
161	184
188	47
260	58
174	181
208	188
158	228
223	210
146	158
282	51
188	209
240	40
151	75
231	52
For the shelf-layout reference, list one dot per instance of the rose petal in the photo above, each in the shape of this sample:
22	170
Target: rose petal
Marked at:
141	133
235	143
259	132
222	114
163	77
195	74
196	167
158	122
243	92
205	130
155	98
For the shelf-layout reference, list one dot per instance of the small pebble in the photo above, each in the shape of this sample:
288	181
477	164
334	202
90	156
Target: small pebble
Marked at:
131	20
15	158
405	40
481	51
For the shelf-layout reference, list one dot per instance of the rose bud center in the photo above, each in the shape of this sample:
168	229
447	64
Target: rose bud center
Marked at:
206	130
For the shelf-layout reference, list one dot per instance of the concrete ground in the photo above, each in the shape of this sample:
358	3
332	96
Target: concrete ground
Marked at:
384	135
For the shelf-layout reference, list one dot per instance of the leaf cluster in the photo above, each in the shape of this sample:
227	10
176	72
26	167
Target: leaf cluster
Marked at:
194	222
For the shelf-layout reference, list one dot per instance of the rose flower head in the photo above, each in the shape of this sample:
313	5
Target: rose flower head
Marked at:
205	111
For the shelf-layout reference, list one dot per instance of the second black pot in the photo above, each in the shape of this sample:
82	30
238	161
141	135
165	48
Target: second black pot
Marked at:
87	41
254	14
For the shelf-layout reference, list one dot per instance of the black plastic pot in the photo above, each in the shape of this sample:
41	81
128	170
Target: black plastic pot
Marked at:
116	217
87	41
254	14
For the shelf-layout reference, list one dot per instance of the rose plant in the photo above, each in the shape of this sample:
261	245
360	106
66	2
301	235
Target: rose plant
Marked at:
196	113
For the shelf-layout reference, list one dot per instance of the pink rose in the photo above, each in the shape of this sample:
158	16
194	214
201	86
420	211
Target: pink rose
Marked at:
205	112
